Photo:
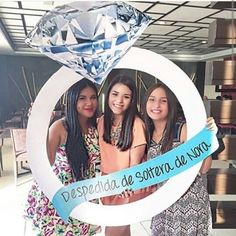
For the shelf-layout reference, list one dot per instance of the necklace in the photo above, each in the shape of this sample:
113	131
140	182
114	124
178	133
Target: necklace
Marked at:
115	133
158	138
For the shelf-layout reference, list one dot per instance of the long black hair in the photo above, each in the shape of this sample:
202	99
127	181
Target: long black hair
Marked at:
126	134
75	147
171	118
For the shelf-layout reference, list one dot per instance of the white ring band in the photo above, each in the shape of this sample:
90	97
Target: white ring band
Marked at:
137	59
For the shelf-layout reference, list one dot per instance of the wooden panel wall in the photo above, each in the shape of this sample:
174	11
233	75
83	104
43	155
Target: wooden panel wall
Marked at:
223	111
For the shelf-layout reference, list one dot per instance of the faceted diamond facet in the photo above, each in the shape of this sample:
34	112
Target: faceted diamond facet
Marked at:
88	37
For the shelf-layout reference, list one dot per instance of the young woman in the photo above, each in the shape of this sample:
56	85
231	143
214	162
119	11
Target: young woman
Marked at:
121	139
74	155
191	214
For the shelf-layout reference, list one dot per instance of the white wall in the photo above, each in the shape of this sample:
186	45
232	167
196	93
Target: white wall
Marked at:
209	91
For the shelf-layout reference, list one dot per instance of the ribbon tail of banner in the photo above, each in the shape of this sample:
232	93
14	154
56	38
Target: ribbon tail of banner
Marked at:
62	210
70	196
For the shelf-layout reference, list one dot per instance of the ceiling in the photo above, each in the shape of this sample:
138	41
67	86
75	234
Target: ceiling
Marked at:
179	29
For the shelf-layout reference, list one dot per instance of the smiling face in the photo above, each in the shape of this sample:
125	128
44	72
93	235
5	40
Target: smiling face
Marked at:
157	105
119	99
87	103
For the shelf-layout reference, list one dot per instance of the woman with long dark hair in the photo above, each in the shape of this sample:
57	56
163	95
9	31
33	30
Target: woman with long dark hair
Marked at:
121	139
190	215
74	154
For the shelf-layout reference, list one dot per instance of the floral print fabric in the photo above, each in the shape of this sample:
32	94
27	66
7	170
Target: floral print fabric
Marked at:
41	211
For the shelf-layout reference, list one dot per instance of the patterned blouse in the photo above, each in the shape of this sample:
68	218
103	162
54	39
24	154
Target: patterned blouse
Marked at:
189	215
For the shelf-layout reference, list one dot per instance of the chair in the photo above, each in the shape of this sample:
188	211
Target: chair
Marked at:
18	137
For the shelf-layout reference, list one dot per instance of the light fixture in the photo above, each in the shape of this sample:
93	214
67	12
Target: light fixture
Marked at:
5	41
222	33
48	3
222	72
160	22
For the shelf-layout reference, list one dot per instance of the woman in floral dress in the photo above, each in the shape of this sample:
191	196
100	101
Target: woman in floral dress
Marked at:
74	154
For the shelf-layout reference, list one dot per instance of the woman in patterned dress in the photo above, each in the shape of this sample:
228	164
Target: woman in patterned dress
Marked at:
74	154
190	215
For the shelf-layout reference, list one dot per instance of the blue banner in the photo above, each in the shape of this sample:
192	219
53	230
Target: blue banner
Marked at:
140	176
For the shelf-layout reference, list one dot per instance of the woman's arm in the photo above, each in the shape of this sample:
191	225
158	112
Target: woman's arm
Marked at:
137	154
183	133
206	164
137	151
56	135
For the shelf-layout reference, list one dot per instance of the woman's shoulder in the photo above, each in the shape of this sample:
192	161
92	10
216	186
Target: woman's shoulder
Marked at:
179	125
180	131
100	120
57	136
138	126
61	123
138	121
59	127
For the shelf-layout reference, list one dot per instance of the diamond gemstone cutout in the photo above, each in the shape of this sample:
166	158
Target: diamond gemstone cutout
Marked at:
88	37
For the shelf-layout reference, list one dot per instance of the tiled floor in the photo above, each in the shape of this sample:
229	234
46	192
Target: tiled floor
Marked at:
12	200
11	197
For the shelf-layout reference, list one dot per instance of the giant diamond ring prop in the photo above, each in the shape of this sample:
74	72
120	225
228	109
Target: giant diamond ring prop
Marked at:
99	214
89	37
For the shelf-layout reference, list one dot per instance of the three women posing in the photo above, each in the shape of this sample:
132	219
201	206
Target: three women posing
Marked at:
74	154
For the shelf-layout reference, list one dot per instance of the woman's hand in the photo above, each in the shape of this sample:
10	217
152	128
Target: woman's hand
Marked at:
206	164
126	194
211	125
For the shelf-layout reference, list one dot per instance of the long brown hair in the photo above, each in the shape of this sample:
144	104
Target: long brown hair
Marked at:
75	147
171	118
126	134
